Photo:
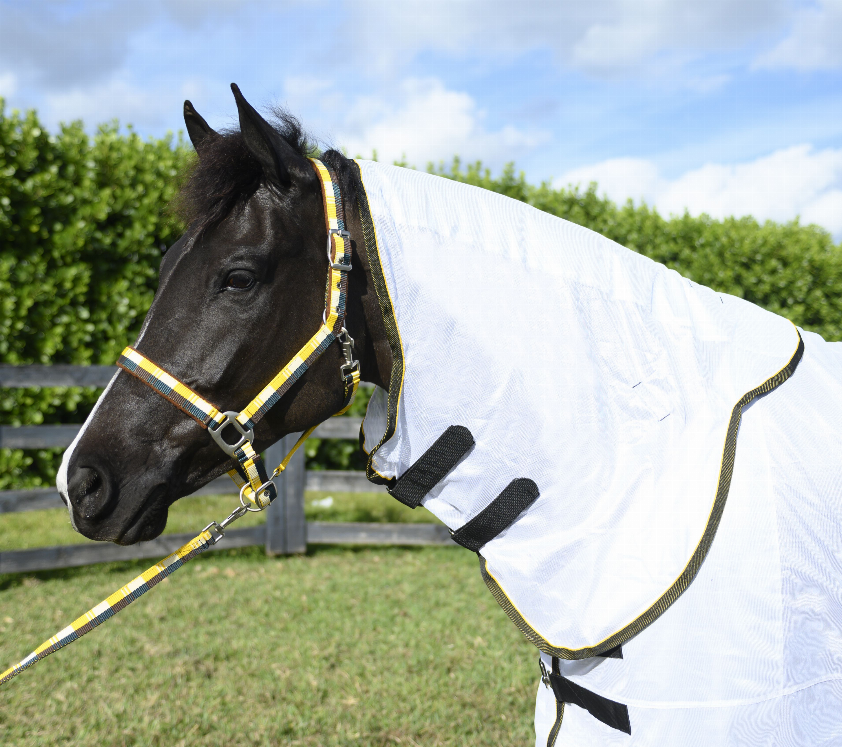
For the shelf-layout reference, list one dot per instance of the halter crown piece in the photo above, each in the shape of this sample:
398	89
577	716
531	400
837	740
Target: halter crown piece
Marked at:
257	490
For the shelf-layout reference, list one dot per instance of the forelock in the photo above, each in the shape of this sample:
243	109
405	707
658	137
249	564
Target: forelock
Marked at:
227	174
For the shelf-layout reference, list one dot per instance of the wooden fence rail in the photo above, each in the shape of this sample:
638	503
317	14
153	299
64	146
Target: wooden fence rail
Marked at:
333	481
318	533
21	377
61	436
286	530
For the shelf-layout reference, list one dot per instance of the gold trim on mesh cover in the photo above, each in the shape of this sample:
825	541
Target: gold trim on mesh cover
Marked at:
681	584
390	324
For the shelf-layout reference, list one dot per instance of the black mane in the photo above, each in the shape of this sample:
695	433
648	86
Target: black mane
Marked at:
227	174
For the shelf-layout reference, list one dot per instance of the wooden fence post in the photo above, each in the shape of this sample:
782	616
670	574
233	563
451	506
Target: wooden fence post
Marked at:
286	530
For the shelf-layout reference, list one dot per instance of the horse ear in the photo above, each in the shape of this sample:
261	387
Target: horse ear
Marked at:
199	131
275	155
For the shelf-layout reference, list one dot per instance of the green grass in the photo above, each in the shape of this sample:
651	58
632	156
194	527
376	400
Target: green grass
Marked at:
52	527
384	646
339	647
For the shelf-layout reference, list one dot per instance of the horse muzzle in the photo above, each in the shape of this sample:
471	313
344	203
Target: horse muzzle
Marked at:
103	508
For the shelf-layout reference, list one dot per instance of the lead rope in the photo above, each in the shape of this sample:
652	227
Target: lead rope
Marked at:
127	594
139	585
258	490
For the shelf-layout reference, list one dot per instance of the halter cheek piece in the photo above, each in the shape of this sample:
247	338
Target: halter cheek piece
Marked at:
257	490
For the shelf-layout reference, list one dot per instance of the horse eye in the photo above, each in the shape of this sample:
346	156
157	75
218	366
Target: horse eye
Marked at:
239	280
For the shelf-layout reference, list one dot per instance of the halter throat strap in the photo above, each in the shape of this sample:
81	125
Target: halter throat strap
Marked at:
257	490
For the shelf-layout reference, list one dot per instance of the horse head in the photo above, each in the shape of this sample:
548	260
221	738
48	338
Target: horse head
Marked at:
239	294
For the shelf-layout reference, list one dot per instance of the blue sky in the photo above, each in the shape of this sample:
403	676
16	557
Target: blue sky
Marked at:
720	106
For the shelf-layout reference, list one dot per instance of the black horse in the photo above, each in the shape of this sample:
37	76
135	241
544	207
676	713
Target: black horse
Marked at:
599	396
238	295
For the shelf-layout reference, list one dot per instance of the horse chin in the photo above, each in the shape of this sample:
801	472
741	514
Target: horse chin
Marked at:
148	528
129	528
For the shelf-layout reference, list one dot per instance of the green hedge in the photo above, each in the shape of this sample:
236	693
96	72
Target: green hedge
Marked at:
83	220
81	229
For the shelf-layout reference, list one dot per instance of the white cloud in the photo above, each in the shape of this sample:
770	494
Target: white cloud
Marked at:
796	181
116	98
826	211
53	45
619	178
814	41
425	122
58	44
603	37
604	46
8	84
191	13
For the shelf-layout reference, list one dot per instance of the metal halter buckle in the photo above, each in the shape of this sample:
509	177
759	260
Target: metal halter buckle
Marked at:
347	343
545	675
246	434
216	532
247	506
349	368
347	238
217	529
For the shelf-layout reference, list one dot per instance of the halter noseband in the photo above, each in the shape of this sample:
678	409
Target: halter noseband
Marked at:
249	473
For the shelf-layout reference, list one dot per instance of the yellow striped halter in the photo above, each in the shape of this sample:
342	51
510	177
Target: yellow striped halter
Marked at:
257	490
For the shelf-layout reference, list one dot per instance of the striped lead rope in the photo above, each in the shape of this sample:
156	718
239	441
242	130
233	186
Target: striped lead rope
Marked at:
119	600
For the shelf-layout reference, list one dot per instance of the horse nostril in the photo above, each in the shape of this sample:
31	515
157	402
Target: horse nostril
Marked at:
90	482
88	493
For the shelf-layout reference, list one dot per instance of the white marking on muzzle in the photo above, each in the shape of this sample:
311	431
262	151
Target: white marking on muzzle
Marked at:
61	477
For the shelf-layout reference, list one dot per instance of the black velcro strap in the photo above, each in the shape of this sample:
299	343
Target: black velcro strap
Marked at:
613	653
498	515
433	466
609	712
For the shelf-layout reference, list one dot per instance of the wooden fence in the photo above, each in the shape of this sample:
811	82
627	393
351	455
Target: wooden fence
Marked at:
286	531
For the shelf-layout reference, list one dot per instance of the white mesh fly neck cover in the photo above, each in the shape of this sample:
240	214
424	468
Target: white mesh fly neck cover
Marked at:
603	376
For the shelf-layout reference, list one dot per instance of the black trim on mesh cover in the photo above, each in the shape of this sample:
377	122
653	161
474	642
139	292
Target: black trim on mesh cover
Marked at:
614	653
375	478
498	515
389	322
609	712
559	711
432	466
